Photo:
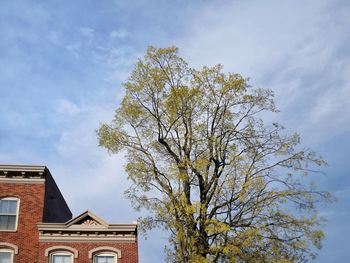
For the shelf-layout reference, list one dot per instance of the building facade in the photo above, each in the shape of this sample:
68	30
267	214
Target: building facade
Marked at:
36	224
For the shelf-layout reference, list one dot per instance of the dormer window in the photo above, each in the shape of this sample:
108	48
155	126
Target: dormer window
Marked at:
9	213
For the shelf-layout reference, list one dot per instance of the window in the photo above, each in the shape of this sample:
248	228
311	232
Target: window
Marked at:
105	254
6	256
61	257
105	258
61	254
8	213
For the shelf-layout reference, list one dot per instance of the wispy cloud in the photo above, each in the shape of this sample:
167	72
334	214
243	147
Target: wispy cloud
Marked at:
67	107
282	46
62	73
120	34
301	52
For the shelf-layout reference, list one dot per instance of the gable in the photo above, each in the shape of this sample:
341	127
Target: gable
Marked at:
87	219
87	227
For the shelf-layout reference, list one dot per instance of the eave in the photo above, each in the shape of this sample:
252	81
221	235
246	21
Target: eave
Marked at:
76	231
23	173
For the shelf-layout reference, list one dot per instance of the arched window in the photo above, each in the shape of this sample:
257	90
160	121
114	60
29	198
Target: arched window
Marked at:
61	254
61	257
105	255
9	208
7	252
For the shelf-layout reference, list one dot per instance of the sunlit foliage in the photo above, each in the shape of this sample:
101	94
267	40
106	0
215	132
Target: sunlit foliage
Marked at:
225	184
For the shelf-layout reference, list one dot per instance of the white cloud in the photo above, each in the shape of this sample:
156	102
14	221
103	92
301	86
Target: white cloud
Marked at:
301	51
55	38
87	32
290	47
343	193
119	34
86	174
74	49
298	49
67	107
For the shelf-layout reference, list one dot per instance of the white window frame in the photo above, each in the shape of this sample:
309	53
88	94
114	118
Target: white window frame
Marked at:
17	213
8	251
106	254
62	253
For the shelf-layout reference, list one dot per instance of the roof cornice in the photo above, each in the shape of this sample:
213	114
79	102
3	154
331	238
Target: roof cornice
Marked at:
27	172
85	214
61	232
93	224
22	168
52	227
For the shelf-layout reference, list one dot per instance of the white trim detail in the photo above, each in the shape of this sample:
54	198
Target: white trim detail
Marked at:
105	249
61	253
87	214
22	168
85	238
65	248
22	180
9	245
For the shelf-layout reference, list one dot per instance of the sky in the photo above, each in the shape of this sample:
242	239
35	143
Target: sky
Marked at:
63	64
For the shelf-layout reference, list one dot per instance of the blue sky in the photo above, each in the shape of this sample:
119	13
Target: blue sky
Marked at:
63	62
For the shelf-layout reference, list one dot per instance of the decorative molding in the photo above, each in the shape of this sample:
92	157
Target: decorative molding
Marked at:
9	245
49	238
90	222
22	168
89	214
87	227
59	227
105	249
64	248
22	173
22	180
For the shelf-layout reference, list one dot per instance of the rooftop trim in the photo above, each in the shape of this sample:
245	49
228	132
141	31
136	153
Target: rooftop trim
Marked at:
23	171
86	214
22	168
101	226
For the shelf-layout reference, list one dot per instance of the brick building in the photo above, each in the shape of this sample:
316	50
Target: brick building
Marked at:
36	224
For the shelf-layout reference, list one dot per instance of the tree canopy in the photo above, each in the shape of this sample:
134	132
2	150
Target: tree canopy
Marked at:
228	186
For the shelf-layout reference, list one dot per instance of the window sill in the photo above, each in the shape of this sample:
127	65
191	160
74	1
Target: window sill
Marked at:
7	230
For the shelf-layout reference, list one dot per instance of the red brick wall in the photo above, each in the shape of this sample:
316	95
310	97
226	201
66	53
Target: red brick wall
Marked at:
30	213
27	237
128	250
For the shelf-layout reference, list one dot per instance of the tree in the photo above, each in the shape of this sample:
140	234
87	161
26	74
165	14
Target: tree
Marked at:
207	167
